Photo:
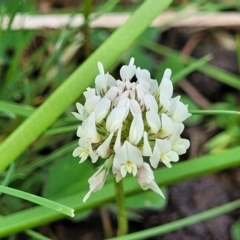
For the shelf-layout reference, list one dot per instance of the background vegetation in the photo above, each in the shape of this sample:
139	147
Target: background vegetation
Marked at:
38	90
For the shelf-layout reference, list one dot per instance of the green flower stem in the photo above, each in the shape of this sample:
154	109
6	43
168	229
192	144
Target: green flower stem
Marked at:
121	211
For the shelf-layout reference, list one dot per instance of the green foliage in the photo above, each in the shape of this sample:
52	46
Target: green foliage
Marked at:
147	200
235	231
60	183
38	86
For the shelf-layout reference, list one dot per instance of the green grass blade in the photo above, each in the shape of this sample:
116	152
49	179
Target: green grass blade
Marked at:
214	112
74	86
190	68
210	70
37	216
40	162
60	130
18	109
35	235
38	200
169	227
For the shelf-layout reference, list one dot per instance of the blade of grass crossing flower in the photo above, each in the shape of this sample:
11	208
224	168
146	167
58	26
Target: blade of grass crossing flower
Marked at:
38	216
38	200
190	68
74	86
169	227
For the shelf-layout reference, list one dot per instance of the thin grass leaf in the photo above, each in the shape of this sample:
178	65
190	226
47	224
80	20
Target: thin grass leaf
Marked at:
214	112
38	200
35	235
190	68
43	161
210	70
9	175
18	109
60	130
169	227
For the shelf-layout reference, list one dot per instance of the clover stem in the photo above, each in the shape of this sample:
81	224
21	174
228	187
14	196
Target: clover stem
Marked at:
121	210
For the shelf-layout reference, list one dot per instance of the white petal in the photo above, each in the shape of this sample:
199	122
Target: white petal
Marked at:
90	92
78	116
127	72
87	196
102	109
146	179
104	149
101	84
96	181
76	152
167	127
111	93
100	68
179	145
127	153
164	145
136	129
111	80
117	174
123	170
93	156
164	102
153	186
116	118
134	170
173	156
142	74
90	130
153	121
181	113
91	103
120	157
146	149
179	149
167	162
154	159
118	144
79	108
134	154
166	84
80	131
134	107
150	102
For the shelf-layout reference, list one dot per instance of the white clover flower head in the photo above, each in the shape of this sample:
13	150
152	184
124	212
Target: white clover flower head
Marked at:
124	120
